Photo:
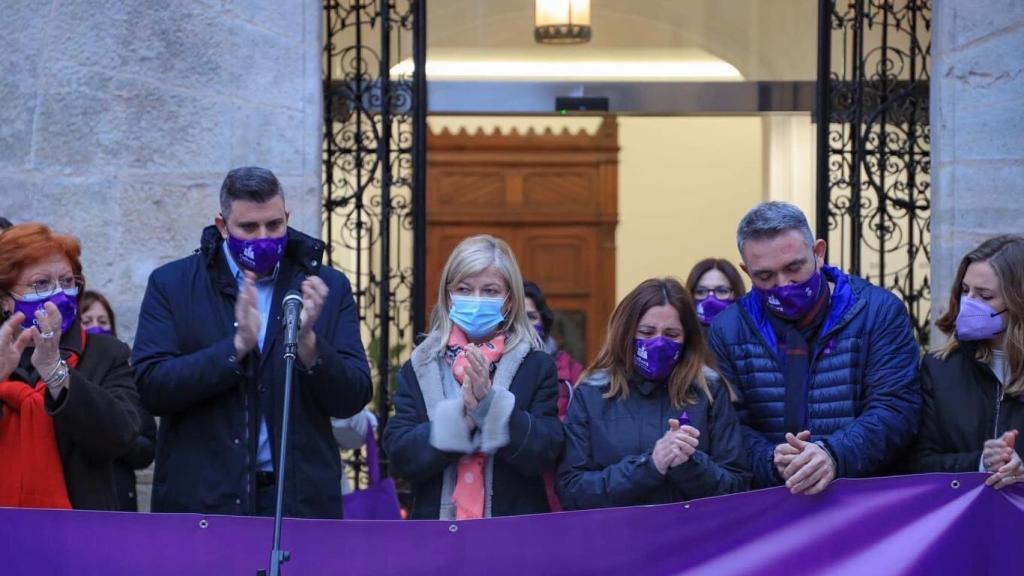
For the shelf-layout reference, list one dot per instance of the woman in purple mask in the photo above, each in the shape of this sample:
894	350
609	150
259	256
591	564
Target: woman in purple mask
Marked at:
715	284
542	318
97	317
96	314
68	398
651	423
973	384
569	370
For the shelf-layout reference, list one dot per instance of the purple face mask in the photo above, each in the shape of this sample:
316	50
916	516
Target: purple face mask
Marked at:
66	302
710	307
978	321
793	301
99	330
540	331
656	357
259	255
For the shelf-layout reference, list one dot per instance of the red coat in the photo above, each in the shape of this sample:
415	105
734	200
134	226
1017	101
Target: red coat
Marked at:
88	426
569	372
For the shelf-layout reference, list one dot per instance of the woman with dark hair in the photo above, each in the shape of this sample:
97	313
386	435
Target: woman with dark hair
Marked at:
68	399
973	384
96	314
97	317
651	423
542	317
715	284
569	370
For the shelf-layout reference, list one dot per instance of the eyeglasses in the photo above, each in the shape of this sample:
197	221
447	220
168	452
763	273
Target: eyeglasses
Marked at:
720	292
46	286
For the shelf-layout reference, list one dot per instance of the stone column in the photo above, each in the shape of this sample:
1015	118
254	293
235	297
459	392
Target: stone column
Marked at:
120	118
977	120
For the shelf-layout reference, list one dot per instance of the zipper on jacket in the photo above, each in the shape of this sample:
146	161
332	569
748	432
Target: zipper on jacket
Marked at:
999	402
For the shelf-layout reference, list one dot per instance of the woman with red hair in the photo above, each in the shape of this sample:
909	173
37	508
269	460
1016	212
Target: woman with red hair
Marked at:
68	403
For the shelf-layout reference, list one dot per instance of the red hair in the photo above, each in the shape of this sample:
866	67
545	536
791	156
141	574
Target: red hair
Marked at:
23	245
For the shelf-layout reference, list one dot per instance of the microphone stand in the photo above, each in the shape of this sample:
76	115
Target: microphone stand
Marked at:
278	556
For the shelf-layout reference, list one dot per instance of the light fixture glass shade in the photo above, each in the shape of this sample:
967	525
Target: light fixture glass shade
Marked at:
562	21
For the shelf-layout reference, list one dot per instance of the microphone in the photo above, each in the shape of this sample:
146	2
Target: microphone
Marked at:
292	307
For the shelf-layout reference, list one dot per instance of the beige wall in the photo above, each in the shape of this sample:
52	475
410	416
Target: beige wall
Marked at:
764	39
789	160
684	183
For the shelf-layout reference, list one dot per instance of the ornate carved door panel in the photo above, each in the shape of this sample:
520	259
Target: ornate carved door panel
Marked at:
552	197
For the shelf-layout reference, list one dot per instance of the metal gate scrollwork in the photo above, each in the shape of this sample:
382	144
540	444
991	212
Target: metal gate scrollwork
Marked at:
373	177
873	167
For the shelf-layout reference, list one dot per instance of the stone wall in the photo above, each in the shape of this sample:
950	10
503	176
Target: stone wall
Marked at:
977	99
119	119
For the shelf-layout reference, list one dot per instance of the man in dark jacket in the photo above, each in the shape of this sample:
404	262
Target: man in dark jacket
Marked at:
825	364
209	360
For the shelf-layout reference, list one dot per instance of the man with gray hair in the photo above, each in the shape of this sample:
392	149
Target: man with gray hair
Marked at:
824	364
209	360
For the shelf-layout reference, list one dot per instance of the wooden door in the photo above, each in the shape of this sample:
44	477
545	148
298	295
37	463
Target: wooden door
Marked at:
552	197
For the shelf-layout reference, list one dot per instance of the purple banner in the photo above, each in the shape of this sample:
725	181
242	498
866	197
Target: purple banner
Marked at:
929	524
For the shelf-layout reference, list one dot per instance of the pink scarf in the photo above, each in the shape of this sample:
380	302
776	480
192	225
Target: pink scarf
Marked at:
468	495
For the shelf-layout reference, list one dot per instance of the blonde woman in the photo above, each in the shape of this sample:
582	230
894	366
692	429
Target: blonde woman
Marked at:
476	422
973	385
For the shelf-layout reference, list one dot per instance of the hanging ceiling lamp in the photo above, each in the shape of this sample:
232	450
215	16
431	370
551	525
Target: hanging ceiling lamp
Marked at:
562	21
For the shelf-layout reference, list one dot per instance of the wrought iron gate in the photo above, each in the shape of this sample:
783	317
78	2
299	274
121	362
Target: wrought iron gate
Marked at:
873	166
374	173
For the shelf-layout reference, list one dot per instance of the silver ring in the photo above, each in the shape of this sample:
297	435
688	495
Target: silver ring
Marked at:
47	335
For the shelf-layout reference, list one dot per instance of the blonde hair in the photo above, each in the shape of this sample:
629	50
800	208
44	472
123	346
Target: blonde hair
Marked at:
471	257
1005	253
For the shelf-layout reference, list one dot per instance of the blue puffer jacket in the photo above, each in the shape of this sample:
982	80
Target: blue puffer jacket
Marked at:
864	397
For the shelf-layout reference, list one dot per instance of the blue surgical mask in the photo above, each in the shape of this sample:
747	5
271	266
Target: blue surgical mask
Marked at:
478	317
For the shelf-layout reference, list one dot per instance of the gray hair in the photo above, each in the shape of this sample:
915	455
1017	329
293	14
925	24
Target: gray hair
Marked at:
250	184
769	219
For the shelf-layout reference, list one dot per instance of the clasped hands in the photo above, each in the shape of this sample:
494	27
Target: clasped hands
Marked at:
806	467
675	447
476	384
999	458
